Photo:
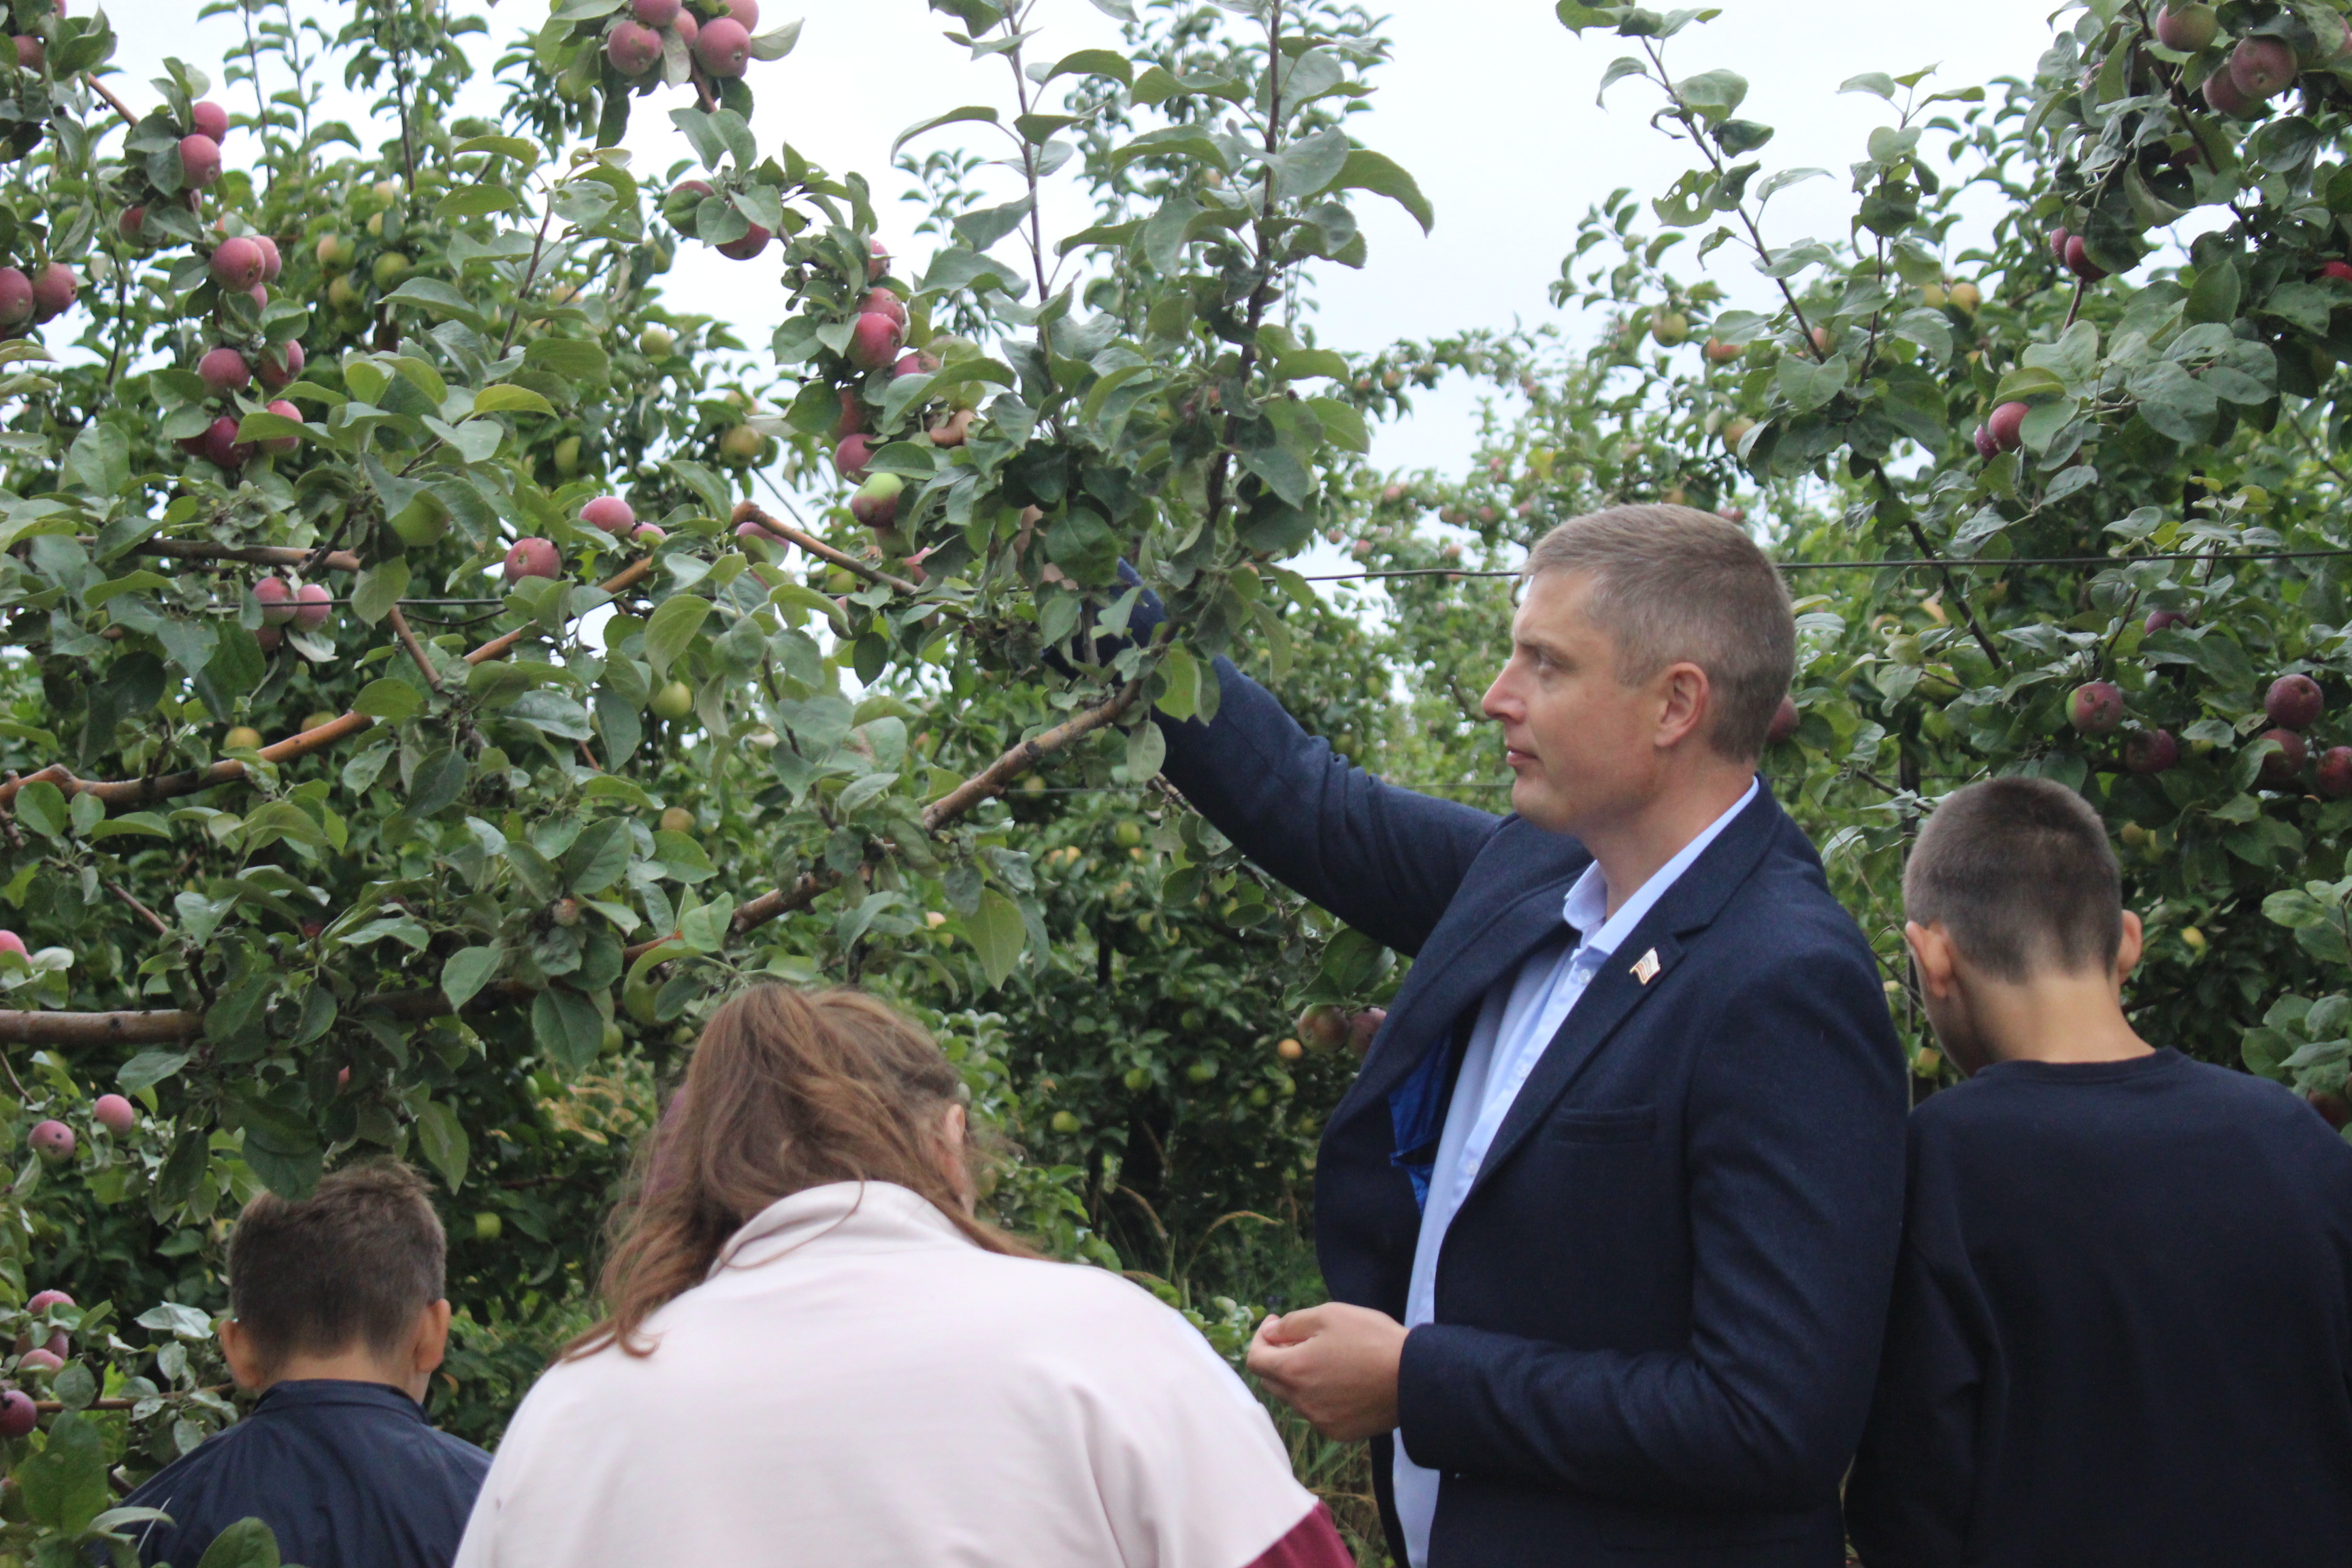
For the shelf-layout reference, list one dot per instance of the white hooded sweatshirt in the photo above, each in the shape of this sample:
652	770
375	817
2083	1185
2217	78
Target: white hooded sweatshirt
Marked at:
858	1386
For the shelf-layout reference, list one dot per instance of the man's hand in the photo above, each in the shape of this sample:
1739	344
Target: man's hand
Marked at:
1334	1364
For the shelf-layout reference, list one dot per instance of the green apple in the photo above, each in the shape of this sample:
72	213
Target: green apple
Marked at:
1065	1121
390	268
489	1226
342	294
614	1040
335	253
567	456
741	447
673	701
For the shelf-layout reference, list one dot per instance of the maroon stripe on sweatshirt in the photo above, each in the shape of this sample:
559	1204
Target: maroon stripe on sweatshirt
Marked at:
1313	1542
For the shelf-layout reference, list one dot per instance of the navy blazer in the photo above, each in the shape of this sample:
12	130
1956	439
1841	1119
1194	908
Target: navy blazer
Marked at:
1659	1307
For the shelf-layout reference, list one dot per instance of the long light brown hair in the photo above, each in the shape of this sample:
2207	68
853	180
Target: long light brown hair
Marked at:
788	1090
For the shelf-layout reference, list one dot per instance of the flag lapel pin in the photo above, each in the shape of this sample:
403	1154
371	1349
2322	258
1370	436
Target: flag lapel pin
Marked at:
1646	968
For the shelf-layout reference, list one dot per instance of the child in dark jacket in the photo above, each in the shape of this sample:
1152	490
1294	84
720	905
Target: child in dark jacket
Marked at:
2122	1328
338	1320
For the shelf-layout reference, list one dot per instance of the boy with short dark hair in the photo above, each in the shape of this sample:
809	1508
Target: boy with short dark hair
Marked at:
2122	1329
337	1321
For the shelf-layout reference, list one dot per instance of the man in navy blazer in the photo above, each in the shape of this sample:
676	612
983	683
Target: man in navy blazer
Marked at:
1610	1217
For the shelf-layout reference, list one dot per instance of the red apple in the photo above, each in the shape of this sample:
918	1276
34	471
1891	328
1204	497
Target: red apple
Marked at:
2095	707
54	288
282	446
723	47
19	1415
1325	1027
853	414
15	298
2187	28
2058	238
2294	702
850	458
206	117
2332	1108
1785	720
11	942
225	370
886	301
2335	772
914	363
272	264
654	13
1987	447
44	1299
200	161
2079	262
872	342
238	263
2150	752
2005	425
116	1114
750	244
2158	620
632	48
53	1141
314	606
31	53
2280	768
270	637
276	597
875	504
43	1360
746	13
1364	1027
222	446
610	514
532	558
131	224
2340	270
648	535
278	366
688	26
2223	96
2261	66
878	259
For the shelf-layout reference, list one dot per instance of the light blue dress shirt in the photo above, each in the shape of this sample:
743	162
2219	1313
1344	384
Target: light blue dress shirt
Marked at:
1516	1023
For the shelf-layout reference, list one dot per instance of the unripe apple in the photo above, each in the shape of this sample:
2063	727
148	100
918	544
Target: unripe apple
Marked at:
1785	720
18	1414
723	47
1065	1122
237	263
2187	28
1669	328
276	597
2294	702
200	161
1966	296
2261	66
54	290
2005	426
750	246
2150	752
875	504
2280	768
888	304
878	259
610	514
677	819
314	606
388	269
741	445
1364	1027
317	719
116	1114
278	366
206	117
673	701
632	48
2335	772
2095	707
224	370
335	252
487	1226
1717	351
532	557
272	264
31	53
342	294
1324	1027
241	738
850	458
15	296
874	340
1734	431
2158	620
654	342
222	446
53	1141
654	13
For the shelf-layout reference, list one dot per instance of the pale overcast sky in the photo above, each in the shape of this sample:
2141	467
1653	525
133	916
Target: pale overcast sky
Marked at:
1488	102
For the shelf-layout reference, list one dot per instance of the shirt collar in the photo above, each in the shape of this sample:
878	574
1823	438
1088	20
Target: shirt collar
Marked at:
317	1391
1587	905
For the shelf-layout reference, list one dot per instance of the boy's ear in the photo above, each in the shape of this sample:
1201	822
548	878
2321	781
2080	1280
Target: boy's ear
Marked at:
431	1340
245	1364
1932	951
2129	947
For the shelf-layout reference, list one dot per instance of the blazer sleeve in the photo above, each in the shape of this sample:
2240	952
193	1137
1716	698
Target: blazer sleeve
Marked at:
1795	1146
1909	1501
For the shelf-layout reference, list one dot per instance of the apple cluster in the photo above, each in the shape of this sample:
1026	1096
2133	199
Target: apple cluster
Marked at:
718	39
2257	66
2293	703
306	608
1327	1027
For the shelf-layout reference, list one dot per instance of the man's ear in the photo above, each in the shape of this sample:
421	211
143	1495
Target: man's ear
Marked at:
2128	948
430	1342
1933	953
1685	696
245	1363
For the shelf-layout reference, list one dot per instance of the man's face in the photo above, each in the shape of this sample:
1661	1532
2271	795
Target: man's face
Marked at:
1581	742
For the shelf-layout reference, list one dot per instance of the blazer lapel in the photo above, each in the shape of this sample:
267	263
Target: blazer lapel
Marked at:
1629	977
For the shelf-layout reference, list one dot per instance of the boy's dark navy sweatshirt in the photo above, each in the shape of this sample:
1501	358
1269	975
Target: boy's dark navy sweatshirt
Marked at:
348	1475
2122	1329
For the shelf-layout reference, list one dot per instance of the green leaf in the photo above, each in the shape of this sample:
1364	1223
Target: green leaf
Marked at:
568	1027
474	200
379	588
574	359
1364	171
510	399
597	857
2026	383
1093	62
441	1137
980	113
672	629
99	460
467	971
997	933
64	1485
439	298
389	697
1807	384
1342	424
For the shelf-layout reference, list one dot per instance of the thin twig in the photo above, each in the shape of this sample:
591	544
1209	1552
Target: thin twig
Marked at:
100	88
749	511
150	916
416	648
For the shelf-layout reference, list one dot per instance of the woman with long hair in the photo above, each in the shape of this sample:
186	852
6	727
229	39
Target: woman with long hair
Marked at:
816	1354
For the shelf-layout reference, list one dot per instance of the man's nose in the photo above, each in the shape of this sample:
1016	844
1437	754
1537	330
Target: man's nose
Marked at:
1501	702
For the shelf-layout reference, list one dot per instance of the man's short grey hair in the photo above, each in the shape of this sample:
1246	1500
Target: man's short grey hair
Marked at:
1673	583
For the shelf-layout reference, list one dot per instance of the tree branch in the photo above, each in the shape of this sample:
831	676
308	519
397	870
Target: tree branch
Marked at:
749	511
